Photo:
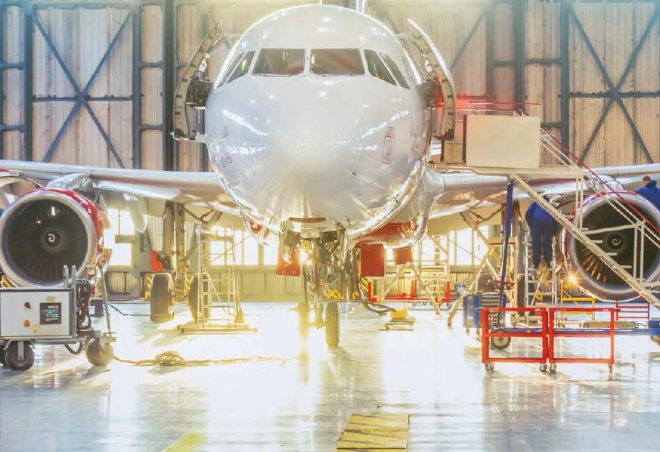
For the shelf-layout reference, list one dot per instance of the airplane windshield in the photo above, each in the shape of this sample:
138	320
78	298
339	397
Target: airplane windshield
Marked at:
280	62
395	71
231	68
336	62
377	68
242	67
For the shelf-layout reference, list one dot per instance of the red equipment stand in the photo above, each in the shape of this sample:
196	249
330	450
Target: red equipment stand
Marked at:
554	333
500	338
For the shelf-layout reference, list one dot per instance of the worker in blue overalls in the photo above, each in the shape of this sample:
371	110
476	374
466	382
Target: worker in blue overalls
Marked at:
542	228
650	191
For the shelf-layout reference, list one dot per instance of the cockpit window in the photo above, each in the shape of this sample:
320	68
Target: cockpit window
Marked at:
231	68
280	62
395	71
336	62
377	68
242	67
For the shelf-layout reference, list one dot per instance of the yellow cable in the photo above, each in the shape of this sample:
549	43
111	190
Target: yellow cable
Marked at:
173	359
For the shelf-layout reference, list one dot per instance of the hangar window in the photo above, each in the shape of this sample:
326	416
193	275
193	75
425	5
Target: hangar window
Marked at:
280	62
231	68
377	68
233	247
395	71
120	238
242	67
336	62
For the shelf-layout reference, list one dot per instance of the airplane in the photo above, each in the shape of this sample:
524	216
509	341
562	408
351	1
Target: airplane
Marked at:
318	128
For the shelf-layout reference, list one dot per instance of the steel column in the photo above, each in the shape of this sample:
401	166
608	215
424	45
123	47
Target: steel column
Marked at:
28	71
169	82
137	73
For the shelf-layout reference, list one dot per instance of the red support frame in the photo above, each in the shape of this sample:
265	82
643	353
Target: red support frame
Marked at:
554	333
486	335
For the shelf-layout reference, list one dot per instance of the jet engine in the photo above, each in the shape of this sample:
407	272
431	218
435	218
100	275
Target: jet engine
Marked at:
45	230
593	275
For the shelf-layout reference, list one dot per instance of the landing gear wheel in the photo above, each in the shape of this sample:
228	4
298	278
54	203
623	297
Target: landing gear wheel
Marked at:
2	355
162	289
332	324
656	339
553	368
543	368
303	319
98	355
500	343
490	367
193	299
12	360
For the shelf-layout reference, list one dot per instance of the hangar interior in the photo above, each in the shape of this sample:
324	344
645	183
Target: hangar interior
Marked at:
78	77
93	83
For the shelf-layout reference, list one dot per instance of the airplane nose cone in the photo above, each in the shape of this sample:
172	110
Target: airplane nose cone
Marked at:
310	149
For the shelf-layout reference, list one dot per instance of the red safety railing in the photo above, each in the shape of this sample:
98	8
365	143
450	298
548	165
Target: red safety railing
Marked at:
488	335
633	310
554	333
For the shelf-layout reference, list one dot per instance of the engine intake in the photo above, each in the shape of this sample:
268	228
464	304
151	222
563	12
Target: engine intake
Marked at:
593	275
45	230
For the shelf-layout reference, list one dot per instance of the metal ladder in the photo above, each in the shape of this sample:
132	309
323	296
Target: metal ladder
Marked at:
583	236
210	288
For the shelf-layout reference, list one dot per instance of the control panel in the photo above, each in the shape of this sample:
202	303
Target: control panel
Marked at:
36	313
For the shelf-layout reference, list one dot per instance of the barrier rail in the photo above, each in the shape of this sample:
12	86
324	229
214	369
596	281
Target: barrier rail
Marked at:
500	338
554	333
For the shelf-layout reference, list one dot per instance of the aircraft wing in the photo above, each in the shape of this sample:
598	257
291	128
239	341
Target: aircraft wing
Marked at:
481	194
200	189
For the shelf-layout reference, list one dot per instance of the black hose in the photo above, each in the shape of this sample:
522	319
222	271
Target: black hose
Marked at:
72	351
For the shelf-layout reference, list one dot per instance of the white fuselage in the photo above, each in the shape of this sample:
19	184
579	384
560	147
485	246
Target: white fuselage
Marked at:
314	150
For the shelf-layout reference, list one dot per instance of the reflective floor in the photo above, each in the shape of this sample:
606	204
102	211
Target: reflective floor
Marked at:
281	400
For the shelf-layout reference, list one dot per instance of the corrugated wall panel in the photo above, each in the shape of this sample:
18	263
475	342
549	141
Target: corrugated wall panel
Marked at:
189	33
646	74
586	78
120	83
151	87
617	30
81	36
12	88
449	26
503	30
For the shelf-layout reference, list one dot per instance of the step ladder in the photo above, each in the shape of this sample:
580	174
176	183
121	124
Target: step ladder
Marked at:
545	287
218	308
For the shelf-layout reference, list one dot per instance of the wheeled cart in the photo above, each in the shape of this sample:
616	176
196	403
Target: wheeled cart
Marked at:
52	316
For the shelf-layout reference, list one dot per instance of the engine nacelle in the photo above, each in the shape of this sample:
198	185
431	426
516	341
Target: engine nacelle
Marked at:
45	230
593	275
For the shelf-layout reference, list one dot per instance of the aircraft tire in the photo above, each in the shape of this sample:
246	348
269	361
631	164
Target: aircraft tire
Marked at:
162	289
332	324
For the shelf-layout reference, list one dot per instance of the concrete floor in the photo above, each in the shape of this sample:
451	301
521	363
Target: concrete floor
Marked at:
290	403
